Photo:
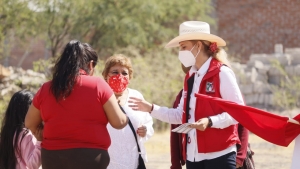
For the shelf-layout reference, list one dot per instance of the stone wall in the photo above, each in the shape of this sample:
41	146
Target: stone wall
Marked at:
256	77
18	79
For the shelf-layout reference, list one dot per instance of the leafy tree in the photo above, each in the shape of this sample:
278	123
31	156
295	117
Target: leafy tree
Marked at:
111	24
144	24
59	20
16	22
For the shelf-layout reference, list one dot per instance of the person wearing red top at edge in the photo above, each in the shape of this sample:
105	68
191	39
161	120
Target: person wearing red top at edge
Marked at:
212	144
175	139
75	108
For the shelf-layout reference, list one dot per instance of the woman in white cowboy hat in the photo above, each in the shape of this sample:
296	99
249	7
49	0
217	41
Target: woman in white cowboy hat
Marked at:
213	142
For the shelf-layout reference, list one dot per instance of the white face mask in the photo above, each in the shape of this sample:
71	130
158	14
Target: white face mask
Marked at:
187	58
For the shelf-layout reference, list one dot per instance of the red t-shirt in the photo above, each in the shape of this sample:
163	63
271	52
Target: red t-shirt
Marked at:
79	121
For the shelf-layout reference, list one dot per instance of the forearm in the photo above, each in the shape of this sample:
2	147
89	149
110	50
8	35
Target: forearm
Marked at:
33	119
169	115
222	120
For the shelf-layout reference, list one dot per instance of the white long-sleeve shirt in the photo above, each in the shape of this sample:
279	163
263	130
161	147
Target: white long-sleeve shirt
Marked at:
123	150
296	154
229	91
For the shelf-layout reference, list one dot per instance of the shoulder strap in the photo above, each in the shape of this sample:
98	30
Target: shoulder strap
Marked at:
132	129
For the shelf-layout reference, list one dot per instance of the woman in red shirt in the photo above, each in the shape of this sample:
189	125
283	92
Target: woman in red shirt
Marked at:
75	108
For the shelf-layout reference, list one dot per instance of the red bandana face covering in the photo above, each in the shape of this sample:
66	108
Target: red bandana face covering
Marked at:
118	83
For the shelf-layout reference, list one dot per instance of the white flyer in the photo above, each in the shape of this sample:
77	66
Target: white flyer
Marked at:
184	128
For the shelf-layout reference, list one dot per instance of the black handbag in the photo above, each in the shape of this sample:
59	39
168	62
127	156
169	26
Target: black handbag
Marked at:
141	164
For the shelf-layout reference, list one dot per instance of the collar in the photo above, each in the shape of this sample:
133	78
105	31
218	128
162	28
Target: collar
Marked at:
203	69
82	72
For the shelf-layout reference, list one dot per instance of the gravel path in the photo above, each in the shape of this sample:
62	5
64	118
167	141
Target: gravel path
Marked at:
267	155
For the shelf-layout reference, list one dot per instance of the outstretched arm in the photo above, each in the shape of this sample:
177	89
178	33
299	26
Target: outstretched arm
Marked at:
165	114
33	119
116	117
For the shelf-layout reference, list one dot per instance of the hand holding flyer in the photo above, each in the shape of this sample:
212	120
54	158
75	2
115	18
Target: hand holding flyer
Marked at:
184	128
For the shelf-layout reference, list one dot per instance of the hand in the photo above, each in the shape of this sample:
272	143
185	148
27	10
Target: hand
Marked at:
142	131
139	104
238	165
201	124
39	132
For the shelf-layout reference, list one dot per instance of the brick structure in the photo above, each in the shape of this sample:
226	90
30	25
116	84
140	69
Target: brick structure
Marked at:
254	26
18	57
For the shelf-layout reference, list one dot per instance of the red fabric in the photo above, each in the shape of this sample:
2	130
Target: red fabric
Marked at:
184	120
175	142
118	83
210	85
271	127
243	147
213	47
79	121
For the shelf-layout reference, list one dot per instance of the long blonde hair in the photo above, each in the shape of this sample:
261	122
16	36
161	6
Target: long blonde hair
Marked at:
220	53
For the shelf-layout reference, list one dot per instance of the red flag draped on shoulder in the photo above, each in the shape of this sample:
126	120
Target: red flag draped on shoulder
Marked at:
271	127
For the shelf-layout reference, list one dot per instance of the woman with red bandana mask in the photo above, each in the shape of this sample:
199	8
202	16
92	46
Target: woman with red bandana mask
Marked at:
123	150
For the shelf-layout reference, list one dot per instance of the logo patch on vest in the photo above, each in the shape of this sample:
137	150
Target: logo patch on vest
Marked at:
209	87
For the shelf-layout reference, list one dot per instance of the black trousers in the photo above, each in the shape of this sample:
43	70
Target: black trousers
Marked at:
227	161
77	158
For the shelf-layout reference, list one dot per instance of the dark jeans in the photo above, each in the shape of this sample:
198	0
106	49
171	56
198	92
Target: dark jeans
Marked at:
227	161
77	158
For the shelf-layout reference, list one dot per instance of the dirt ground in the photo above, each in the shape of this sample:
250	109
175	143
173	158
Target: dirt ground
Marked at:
267	155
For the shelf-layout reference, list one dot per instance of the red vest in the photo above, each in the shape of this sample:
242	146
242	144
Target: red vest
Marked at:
212	139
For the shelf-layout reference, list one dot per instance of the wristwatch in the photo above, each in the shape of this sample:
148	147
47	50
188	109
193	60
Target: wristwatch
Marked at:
209	122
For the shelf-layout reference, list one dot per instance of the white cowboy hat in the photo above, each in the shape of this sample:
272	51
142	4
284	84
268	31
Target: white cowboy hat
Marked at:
195	30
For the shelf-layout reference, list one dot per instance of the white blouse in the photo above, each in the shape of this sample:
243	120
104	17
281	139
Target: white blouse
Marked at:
123	150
